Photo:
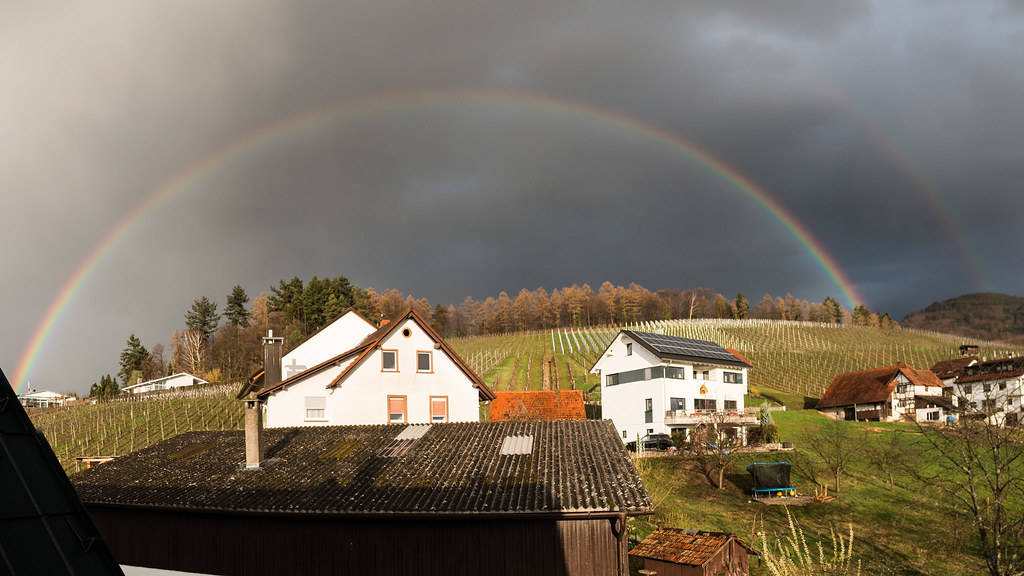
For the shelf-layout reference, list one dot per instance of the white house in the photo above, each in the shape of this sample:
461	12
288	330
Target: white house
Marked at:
179	380
654	383
994	389
44	399
403	372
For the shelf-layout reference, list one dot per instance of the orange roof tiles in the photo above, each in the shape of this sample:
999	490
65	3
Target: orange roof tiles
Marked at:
684	546
538	405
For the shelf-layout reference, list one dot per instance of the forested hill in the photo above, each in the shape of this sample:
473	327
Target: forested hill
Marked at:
987	316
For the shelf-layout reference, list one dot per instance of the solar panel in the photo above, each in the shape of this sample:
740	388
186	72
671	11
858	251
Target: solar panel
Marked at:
686	346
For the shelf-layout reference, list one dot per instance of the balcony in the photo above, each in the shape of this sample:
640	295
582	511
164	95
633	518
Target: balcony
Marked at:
747	417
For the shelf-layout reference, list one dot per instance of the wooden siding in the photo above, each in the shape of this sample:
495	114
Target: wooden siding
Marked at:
262	544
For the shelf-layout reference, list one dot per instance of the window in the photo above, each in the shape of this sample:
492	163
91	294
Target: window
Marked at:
650	430
624	434
732	377
987	387
967	388
902	388
389	360
423	362
315	406
704	404
730	405
396	409
629	348
1002	385
611	380
648	410
675	372
438	409
933	415
677	403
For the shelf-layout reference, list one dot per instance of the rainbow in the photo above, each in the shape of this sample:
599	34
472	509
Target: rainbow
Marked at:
350	109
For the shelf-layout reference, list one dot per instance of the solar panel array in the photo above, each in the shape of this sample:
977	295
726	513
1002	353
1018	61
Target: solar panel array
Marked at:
666	344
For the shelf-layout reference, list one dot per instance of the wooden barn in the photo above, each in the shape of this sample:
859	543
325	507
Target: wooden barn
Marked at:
678	552
454	498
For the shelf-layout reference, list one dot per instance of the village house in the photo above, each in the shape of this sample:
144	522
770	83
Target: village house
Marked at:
658	384
949	370
44	528
179	380
402	373
458	499
679	552
537	405
44	399
992	389
886	394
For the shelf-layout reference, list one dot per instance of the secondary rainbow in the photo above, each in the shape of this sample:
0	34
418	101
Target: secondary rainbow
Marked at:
350	109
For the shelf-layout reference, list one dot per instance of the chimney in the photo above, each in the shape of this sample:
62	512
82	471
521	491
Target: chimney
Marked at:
384	322
271	359
253	433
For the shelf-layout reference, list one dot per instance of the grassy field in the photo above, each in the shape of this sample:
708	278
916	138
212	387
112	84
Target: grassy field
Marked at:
907	531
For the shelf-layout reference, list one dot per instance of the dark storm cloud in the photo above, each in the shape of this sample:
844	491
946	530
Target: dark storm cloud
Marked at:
876	124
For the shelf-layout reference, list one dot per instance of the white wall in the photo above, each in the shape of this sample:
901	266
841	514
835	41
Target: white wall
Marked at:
362	397
338	337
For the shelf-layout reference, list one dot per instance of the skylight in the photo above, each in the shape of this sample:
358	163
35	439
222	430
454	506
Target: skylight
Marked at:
513	445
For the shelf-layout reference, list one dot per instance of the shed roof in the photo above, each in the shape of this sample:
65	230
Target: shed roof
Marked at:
538	405
454	468
44	529
873	385
691	547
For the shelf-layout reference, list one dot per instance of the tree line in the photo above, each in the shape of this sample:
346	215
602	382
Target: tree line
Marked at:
227	345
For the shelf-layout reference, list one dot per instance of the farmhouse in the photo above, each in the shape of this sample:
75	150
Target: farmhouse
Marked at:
179	380
886	394
44	529
538	405
654	383
456	499
992	389
678	552
949	370
402	373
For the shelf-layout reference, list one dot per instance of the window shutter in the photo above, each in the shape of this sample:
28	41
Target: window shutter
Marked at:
316	402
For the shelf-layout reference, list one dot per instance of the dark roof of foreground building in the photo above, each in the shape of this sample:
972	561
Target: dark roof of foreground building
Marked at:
992	370
873	385
538	405
44	529
687	349
691	547
559	467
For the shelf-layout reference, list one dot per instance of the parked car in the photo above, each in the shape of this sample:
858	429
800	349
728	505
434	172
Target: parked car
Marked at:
651	442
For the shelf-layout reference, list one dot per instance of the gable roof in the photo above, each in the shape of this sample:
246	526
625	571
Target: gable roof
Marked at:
356	356
873	385
44	529
992	370
952	368
578	466
686	349
679	546
538	405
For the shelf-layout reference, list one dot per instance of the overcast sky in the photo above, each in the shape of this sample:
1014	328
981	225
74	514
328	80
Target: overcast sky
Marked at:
461	147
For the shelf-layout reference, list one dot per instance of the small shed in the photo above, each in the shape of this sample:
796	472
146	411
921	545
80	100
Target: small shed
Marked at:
679	552
771	477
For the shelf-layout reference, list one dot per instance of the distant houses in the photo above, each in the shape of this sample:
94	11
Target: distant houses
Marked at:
179	380
886	394
44	399
459	499
655	383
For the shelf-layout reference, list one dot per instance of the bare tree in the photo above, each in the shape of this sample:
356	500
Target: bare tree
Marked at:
835	445
891	455
189	350
979	466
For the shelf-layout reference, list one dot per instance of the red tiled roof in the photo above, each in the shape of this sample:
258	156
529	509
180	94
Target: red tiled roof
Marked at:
874	385
680	546
952	368
538	405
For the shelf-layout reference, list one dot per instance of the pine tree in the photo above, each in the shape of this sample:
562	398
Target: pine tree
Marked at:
203	317
742	306
235	310
133	357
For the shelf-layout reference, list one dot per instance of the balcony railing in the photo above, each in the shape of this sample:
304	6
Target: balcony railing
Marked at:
744	417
